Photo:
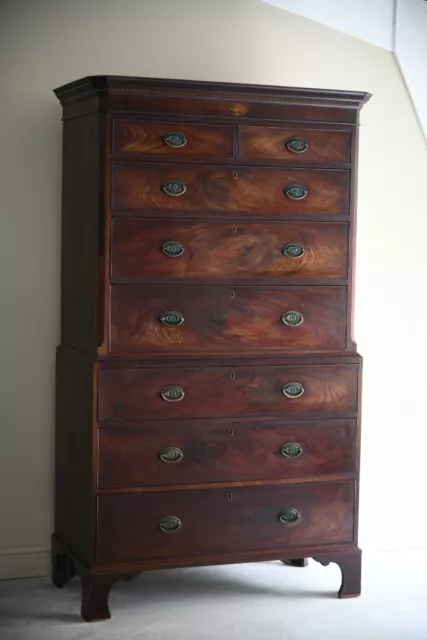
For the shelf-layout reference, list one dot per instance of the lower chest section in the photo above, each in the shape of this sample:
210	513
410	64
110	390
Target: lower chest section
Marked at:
214	462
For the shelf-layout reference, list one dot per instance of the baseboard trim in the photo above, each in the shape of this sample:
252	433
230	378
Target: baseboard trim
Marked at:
24	562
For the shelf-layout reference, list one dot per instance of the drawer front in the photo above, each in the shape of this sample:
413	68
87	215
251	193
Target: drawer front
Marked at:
252	190
188	523
237	320
294	145
174	139
168	454
214	392
147	248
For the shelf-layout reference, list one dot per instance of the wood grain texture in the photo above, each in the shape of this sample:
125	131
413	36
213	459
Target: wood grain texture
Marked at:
91	86
270	142
227	252
235	320
232	356
219	99
138	187
138	136
74	504
217	520
212	453
350	563
214	392
341	358
95	592
231	109
81	209
352	240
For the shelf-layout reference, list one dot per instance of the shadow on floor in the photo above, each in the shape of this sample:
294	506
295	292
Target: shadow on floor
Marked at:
167	585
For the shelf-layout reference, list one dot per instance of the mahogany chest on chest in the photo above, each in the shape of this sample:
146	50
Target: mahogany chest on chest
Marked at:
208	384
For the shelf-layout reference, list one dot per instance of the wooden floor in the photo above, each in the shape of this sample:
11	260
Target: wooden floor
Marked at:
263	601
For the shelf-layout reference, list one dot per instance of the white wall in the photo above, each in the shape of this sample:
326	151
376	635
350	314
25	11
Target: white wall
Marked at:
48	43
370	20
411	52
399	25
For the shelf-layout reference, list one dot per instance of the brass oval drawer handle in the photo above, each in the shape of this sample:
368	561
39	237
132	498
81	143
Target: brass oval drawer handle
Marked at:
293	250
171	454
292	318
293	390
296	191
174	187
291	450
173	249
175	139
172	318
169	524
289	516
172	393
296	145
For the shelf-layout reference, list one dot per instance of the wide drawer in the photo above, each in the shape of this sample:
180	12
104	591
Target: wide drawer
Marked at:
295	145
168	453
237	320
183	190
175	391
174	139
227	251
188	523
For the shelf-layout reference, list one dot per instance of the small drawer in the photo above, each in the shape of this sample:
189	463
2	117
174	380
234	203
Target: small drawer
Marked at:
219	521
232	251
175	139
194	320
295	145
178	392
171	454
198	190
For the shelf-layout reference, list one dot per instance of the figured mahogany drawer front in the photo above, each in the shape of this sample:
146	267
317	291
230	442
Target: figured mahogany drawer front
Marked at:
174	139
174	391
227	251
169	454
197	189
188	523
211	320
294	145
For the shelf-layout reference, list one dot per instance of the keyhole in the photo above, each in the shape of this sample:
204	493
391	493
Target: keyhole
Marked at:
234	229
231	432
230	496
233	376
235	176
232	295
